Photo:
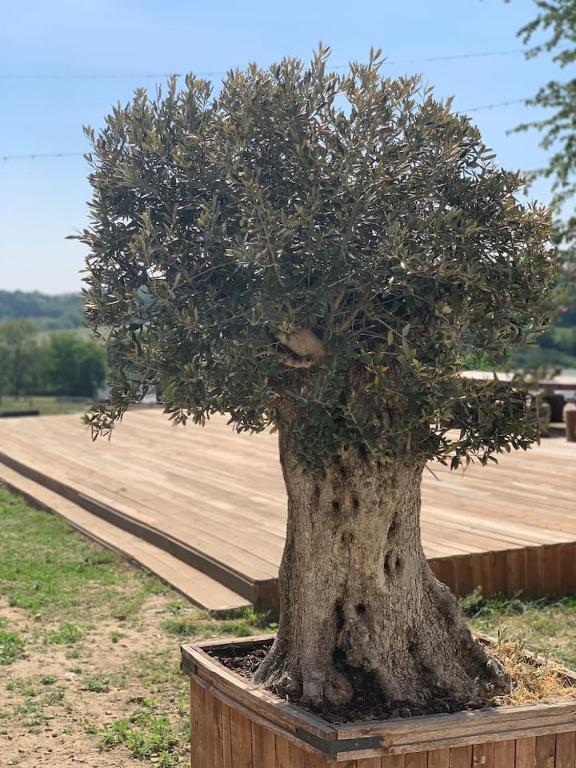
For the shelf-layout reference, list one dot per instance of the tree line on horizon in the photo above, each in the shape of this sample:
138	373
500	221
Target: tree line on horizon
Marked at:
61	312
56	364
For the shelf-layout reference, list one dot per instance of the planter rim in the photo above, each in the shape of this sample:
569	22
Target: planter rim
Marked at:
371	738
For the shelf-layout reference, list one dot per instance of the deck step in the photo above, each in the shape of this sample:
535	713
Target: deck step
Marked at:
155	535
197	587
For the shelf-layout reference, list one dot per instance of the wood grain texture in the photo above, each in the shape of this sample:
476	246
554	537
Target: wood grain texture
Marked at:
388	761
461	757
439	758
263	746
483	756
282	752
224	737
526	753
225	717
198	718
417	760
241	740
546	751
504	528
505	754
565	750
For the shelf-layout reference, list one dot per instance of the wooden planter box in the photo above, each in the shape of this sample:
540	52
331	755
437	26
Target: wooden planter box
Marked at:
236	724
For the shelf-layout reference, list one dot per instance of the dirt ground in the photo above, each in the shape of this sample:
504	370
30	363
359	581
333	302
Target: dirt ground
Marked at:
55	723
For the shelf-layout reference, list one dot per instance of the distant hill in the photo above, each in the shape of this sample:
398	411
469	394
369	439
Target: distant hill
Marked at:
49	313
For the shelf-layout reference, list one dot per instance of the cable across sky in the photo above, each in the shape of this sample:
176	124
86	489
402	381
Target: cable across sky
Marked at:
158	75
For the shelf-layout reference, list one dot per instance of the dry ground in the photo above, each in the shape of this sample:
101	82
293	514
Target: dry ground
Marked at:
89	648
89	651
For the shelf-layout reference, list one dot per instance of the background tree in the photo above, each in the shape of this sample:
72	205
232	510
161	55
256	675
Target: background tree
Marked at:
313	251
74	366
556	22
554	31
48	313
18	357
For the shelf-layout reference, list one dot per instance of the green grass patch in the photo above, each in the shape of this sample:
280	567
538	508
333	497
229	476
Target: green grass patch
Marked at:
146	734
11	646
547	626
45	567
188	623
96	684
32	710
66	634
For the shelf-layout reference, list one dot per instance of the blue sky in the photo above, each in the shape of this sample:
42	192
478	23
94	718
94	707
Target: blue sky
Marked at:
43	200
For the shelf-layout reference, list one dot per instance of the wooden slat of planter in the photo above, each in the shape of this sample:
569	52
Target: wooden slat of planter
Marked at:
263	746
505	754
526	753
315	761
198	725
461	757
282	752
214	728
241	740
348	764
566	750
416	760
389	761
225	717
546	751
297	756
483	756
439	758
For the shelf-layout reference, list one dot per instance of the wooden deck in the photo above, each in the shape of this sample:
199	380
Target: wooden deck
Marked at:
214	502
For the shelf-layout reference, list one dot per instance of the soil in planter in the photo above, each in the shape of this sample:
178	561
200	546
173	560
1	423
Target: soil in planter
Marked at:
533	681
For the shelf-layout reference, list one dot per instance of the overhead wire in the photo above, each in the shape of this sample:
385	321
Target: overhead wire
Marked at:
148	75
118	76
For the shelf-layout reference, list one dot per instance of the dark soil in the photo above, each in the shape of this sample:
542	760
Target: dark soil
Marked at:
370	706
533	681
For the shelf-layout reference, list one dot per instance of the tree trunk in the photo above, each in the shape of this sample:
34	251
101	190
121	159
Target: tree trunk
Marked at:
361	612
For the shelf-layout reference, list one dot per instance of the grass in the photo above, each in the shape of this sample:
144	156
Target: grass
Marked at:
96	683
52	572
11	645
547	626
147	733
48	406
189	623
89	645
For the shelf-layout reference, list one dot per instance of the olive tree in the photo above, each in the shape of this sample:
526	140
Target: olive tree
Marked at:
314	252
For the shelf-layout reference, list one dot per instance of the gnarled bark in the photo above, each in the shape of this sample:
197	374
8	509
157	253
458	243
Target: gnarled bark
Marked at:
360	607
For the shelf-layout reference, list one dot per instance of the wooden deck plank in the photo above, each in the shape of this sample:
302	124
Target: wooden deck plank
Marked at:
222	494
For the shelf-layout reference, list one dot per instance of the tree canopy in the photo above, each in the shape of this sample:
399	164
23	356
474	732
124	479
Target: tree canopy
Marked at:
553	30
328	244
